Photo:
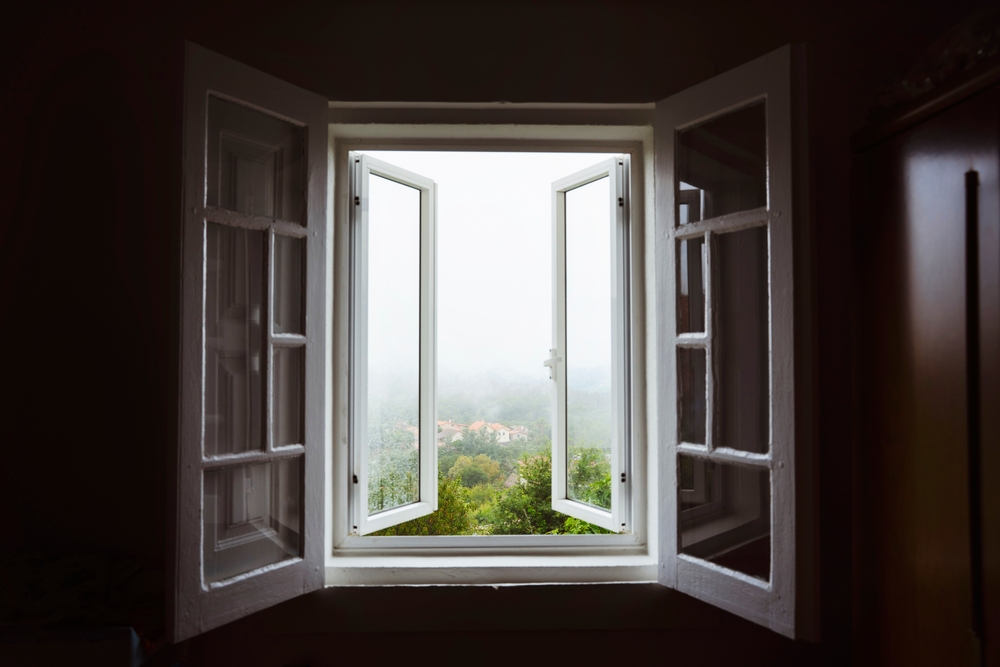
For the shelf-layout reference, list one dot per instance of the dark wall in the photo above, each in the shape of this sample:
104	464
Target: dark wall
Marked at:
89	259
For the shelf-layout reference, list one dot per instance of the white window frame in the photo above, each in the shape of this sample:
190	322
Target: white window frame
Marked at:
616	170
628	556
362	167
649	552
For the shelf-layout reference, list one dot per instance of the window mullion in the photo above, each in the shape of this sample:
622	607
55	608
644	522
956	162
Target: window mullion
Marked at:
710	343
267	374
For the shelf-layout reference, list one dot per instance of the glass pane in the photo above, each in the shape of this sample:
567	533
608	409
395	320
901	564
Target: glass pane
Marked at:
234	339
691	390
288	415
589	230
722	165
256	162
289	260
253	517
393	344
741	341
725	515
691	286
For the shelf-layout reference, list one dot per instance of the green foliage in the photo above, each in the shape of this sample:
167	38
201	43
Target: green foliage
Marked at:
590	476
474	443
526	508
573	526
476	471
451	518
481	494
393	464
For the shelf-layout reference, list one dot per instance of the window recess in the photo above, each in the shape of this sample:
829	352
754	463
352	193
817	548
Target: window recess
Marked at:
726	366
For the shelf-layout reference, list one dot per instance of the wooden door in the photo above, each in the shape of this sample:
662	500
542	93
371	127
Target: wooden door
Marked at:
915	584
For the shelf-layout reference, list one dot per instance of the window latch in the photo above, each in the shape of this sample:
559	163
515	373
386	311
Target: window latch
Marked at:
357	200
355	478
621	201
551	363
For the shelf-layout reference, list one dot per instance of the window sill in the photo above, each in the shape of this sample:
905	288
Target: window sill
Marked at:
435	569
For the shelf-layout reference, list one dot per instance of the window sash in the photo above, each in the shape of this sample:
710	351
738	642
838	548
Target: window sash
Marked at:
362	168
619	518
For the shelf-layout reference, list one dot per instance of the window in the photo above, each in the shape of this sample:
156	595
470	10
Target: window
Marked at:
708	382
396	314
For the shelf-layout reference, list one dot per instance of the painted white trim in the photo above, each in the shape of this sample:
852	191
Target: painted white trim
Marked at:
449	568
345	551
772	603
195	605
615	170
365	166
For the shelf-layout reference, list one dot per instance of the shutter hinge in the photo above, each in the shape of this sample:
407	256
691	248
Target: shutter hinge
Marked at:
621	201
623	477
357	200
355	479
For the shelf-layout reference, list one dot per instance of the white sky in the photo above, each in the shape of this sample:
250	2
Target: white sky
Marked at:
494	264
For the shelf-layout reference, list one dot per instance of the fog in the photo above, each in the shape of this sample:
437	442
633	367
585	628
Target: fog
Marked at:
494	269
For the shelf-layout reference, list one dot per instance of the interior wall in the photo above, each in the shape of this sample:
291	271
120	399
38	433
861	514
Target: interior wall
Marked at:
89	249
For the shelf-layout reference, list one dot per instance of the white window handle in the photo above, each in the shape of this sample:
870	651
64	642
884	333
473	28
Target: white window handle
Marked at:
551	363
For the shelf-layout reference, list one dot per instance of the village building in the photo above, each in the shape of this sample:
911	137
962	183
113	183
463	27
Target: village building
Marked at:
502	433
448	435
519	433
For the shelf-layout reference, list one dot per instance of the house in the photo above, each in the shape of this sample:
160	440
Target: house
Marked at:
519	433
92	121
448	435
501	432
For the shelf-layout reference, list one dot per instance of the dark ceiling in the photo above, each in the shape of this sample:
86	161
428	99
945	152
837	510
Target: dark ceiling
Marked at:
519	51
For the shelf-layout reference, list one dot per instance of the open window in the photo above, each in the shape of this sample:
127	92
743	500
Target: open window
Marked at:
393	345
590	354
717	384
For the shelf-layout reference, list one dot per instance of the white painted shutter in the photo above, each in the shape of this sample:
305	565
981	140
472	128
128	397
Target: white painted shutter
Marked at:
735	520
255	344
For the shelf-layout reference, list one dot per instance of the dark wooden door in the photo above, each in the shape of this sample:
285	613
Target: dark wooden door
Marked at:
916	602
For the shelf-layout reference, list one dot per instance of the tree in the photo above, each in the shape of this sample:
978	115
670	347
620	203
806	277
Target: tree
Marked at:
473	471
453	516
590	476
393	465
526	508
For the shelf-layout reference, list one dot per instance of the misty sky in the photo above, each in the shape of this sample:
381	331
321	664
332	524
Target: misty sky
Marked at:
494	264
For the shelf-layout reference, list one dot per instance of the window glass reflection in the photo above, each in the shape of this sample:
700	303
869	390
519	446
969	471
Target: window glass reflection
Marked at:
724	514
722	165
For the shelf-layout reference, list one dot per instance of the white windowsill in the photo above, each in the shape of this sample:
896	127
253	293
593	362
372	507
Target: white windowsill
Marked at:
437	569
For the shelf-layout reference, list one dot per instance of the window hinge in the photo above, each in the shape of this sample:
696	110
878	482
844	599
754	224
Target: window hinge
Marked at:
623	477
355	479
357	200
621	201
